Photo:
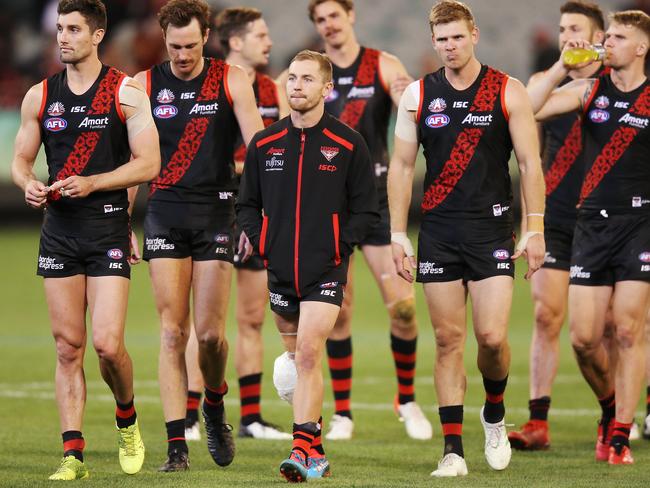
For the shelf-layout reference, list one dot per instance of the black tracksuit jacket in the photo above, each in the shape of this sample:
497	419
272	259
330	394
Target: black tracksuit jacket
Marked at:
316	189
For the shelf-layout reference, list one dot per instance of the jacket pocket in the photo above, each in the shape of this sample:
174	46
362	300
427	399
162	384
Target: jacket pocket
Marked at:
335	229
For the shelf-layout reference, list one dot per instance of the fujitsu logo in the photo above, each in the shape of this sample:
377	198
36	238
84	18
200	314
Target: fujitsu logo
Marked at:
205	109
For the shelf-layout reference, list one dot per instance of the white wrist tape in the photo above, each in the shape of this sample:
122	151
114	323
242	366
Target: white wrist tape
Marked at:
524	240
402	239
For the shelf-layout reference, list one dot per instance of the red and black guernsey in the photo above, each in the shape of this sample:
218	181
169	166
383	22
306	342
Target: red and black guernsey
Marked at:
197	129
563	164
467	146
266	97
318	198
617	149
361	99
84	135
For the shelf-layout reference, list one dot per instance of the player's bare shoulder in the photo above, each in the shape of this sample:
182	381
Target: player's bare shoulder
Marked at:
32	101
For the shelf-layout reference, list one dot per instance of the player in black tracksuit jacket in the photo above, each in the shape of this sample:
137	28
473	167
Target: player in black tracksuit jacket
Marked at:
316	189
307	196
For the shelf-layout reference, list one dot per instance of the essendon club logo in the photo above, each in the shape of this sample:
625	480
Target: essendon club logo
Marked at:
329	152
437	105
165	96
275	151
55	124
56	109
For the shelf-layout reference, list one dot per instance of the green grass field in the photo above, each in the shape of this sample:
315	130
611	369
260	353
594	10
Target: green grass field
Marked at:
380	454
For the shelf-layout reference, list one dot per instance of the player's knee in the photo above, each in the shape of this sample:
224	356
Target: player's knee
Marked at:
68	353
250	322
628	334
449	340
174	339
307	357
491	340
584	345
548	320
402	313
211	341
108	349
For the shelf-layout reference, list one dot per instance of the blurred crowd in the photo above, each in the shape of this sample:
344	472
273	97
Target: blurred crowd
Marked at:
28	50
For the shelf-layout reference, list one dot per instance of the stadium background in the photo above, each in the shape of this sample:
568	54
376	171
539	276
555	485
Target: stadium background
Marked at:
516	36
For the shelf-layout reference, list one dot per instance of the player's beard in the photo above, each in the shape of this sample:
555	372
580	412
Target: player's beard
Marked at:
302	105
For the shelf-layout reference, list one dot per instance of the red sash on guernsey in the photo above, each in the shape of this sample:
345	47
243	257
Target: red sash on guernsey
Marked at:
466	143
194	132
565	157
267	94
354	109
621	139
86	142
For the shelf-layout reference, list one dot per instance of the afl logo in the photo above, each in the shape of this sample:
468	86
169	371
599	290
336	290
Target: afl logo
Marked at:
55	109
501	254
165	111
165	96
115	253
645	257
437	105
55	124
601	102
437	120
599	116
222	238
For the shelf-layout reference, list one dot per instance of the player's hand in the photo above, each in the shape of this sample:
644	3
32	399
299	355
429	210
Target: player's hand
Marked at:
36	194
74	186
403	253
399	84
134	256
576	44
533	248
244	248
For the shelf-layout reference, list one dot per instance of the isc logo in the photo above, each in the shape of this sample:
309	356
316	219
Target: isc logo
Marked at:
327	167
165	111
437	120
461	104
115	265
55	124
503	265
328	293
187	95
78	109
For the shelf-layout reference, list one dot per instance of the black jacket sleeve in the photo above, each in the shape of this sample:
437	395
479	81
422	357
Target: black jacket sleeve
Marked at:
249	201
363	206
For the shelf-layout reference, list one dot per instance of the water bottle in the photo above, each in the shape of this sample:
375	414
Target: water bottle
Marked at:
578	55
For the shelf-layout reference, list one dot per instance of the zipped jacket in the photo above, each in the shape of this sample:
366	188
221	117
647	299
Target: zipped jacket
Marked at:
307	197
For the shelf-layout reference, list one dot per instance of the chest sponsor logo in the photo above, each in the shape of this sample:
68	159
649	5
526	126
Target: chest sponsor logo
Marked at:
55	124
165	111
205	108
332	96
278	300
601	102
363	92
461	104
115	253
188	95
46	262
165	96
480	120
638	202
276	151
225	195
436	121
56	109
329	152
111	209
501	254
158	244
437	105
598	116
94	123
429	268
274	164
645	257
622	104
78	109
577	272
638	122
269	112
345	80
